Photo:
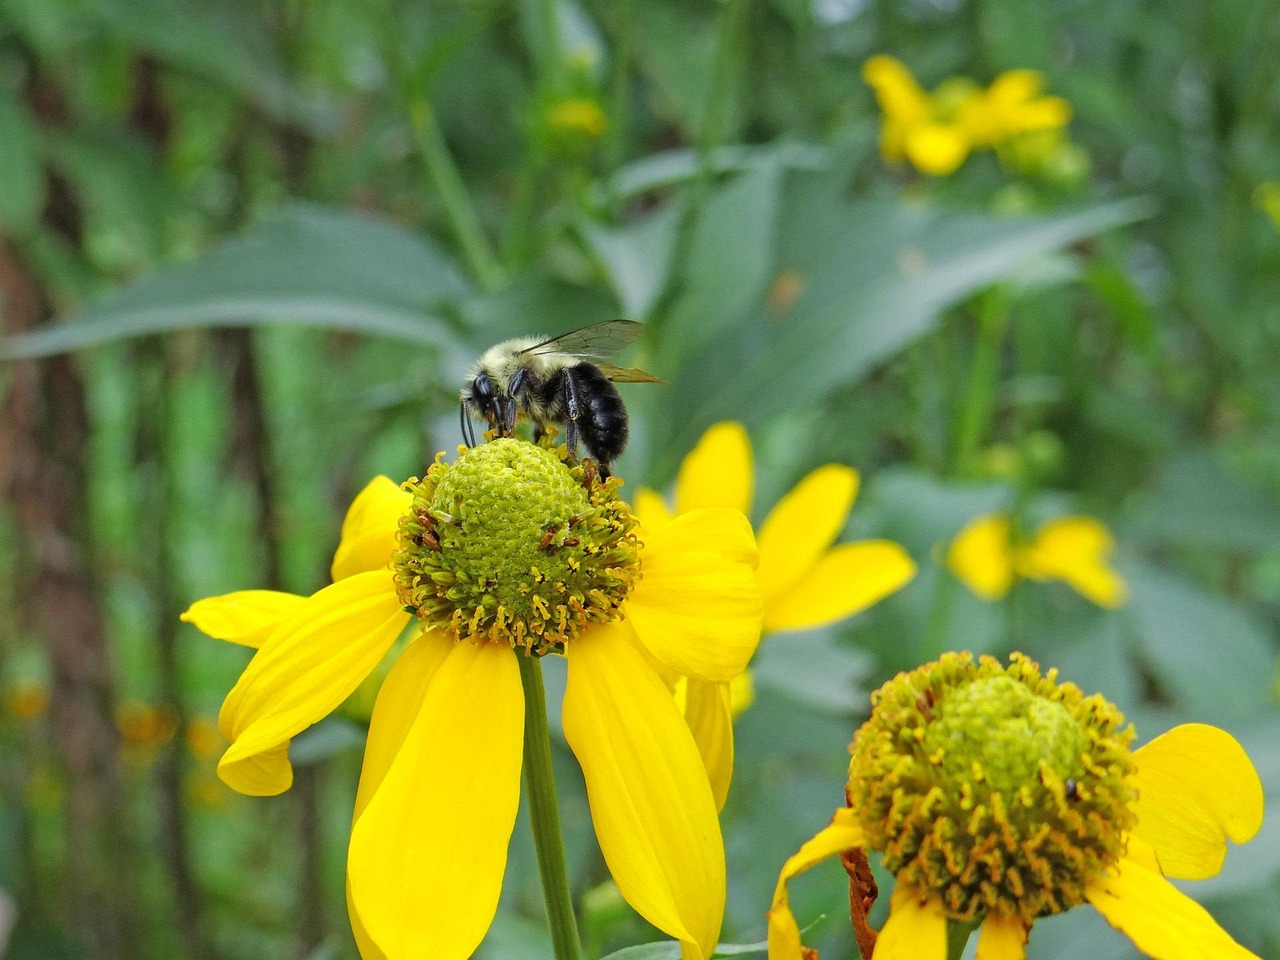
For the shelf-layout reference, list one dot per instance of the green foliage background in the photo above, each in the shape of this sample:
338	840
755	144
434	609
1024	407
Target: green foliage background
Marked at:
248	250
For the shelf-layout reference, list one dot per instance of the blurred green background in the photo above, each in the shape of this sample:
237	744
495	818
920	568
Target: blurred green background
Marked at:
247	251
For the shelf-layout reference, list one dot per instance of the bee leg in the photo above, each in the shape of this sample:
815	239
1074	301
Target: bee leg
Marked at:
571	413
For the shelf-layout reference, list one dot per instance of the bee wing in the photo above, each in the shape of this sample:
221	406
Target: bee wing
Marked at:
596	341
627	374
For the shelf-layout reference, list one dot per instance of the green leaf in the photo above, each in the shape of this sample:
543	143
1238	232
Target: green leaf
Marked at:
1208	653
863	279
21	179
660	950
305	266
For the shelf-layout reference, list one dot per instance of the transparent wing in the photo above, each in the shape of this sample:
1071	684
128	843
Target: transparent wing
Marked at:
597	341
627	374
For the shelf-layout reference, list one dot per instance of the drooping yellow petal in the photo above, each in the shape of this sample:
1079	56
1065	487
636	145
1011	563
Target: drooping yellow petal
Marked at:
937	148
429	850
1002	938
650	509
652	807
846	580
1162	922
916	928
1196	787
718	471
697	607
841	834
981	556
399	699
246	617
1075	550
802	525
742	693
309	665
369	530
708	709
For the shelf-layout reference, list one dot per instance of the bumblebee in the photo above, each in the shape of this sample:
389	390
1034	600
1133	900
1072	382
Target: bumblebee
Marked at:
561	381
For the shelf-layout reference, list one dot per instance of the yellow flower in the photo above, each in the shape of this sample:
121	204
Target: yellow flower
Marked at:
804	580
440	785
987	557
1267	198
998	796
929	130
1013	106
26	699
937	131
577	116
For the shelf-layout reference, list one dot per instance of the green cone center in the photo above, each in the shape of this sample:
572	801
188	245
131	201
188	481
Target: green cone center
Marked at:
513	544
994	789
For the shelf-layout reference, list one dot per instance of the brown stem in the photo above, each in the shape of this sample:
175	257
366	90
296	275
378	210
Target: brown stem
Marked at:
43	434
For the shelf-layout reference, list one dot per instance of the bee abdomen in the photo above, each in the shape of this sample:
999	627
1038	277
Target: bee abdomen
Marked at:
601	418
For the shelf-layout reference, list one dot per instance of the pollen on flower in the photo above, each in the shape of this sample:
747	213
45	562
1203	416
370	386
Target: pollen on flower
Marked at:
994	788
515	543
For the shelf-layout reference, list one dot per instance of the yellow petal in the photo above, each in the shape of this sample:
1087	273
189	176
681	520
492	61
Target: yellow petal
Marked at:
899	95
1075	550
841	834
802	525
246	617
742	693
1162	922
937	148
981	556
916	928
846	580
697	608
428	851
399	699
652	807
369	530
1002	938
650	509
1196	787
312	662
708	709
718	471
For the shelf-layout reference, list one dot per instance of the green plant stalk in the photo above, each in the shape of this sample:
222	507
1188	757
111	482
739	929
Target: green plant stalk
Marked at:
544	814
958	938
979	401
441	171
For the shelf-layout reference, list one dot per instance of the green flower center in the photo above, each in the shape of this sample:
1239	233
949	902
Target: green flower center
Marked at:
993	788
512	544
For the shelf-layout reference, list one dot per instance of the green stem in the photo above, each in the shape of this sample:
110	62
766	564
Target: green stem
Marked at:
544	813
984	375
958	938
441	171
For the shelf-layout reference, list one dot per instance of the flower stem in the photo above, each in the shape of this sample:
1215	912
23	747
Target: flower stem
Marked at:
544	813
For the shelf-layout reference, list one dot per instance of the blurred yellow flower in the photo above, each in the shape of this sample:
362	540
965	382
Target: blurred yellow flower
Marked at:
144	725
26	700
987	558
998	796
577	116
805	581
440	785
937	131
203	738
1267	198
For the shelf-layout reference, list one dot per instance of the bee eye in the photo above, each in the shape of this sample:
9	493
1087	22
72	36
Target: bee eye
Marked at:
482	386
